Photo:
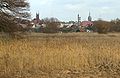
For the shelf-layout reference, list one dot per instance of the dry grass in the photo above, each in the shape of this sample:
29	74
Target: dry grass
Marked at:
77	55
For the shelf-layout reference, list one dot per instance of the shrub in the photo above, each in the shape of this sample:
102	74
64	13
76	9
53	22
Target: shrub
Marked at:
102	26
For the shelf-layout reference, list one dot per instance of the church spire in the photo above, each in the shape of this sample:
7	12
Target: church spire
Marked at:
89	17
89	13
37	16
79	19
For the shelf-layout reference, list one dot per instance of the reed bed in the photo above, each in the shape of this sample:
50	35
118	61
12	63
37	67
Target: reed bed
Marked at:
72	55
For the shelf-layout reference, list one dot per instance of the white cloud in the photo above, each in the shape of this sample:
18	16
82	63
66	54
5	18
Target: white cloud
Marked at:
46	2
68	9
40	2
74	7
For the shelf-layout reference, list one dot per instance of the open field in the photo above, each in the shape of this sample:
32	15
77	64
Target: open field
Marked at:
70	55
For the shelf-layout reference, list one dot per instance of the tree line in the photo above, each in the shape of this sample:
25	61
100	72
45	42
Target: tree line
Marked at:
102	26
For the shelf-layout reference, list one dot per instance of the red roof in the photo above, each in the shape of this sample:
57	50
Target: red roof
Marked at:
86	23
36	21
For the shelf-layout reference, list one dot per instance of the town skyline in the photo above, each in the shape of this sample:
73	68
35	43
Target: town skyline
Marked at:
66	10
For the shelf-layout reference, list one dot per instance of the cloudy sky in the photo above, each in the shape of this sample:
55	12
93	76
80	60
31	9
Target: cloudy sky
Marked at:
66	10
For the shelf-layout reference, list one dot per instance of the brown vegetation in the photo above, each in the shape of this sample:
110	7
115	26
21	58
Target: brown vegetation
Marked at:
74	55
102	26
52	25
107	26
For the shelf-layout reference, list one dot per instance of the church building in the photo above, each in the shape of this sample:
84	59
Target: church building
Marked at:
86	24
37	20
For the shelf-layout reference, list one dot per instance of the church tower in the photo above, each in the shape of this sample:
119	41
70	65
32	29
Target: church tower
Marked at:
89	17
37	18
79	20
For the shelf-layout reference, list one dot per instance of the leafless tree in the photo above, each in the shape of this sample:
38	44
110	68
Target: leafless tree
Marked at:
102	26
115	25
52	25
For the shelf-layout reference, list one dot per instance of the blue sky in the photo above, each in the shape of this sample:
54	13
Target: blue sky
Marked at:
66	10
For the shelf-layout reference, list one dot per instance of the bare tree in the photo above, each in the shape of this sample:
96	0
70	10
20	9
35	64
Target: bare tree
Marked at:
102	26
115	25
52	25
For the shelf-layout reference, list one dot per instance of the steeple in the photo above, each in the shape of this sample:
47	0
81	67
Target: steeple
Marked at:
79	20
89	13
37	16
89	17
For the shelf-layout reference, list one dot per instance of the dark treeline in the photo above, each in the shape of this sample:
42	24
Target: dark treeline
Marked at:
100	26
107	26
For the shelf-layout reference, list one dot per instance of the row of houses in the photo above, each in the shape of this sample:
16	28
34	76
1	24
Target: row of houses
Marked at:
79	26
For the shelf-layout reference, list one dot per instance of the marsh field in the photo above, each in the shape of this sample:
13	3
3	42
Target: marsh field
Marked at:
70	55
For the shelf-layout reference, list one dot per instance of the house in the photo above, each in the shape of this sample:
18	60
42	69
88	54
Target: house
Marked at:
86	23
37	20
86	26
37	24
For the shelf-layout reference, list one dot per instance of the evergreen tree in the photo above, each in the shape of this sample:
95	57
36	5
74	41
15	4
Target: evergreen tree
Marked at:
10	12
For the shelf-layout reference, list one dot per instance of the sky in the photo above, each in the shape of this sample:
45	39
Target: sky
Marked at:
67	10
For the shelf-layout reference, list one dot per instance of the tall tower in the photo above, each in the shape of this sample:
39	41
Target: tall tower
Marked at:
79	20
89	17
37	17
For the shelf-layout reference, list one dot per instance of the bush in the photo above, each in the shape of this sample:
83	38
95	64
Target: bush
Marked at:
52	25
102	26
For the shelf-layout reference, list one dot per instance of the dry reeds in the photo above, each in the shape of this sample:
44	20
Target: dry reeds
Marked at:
61	55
